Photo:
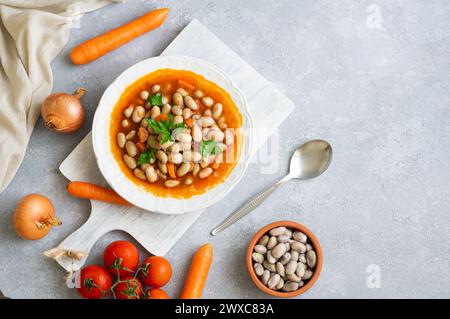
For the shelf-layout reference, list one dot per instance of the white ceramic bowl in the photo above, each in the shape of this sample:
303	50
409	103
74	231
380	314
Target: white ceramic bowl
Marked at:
108	165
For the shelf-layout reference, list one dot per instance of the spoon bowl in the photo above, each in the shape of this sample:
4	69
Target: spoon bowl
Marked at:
310	159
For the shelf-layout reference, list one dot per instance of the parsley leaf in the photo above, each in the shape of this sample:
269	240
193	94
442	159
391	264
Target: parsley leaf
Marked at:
165	127
146	156
210	148
155	99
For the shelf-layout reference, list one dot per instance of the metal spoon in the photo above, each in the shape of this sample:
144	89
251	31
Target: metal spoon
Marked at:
308	161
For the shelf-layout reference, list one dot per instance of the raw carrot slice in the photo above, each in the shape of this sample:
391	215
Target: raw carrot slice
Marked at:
186	85
171	170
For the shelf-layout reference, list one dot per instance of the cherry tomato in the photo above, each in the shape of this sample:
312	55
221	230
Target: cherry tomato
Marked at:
122	255
130	288
95	282
157	294
156	271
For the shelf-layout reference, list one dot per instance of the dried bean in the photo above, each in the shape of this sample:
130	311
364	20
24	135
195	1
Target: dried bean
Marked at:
269	266
273	281
299	236
277	231
301	269
272	242
291	267
285	258
259	258
280	269
259	269
298	246
278	250
308	274
265	277
311	258
270	257
264	240
293	277
290	286
260	248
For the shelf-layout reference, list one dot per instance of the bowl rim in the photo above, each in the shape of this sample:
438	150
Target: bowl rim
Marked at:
315	243
151	202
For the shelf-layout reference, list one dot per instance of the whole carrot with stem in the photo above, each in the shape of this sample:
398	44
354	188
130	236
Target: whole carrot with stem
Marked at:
198	272
92	191
94	48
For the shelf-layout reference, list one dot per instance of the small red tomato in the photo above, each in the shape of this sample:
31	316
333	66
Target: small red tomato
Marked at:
130	288
95	282
122	256
157	294
156	271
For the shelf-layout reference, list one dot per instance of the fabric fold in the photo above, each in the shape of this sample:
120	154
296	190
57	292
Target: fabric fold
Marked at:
32	33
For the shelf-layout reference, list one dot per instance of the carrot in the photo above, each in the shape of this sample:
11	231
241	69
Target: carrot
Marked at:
140	146
196	278
94	48
171	170
92	191
160	117
186	85
189	122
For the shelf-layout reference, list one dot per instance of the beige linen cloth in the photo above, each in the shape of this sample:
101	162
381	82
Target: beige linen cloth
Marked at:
32	33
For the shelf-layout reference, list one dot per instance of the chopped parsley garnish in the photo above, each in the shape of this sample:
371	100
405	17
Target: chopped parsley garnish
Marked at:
210	148
155	99
165	127
146	156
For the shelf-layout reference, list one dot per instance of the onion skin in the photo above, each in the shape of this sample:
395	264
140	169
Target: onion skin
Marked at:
63	112
34	217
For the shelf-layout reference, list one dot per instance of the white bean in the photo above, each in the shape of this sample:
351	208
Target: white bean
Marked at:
196	170
183	169
128	111
188	181
131	148
166	109
185	146
151	175
171	183
125	123
207	112
190	103
144	95
215	135
177	99
182	92
175	148
131	135
155	88
217	111
161	156
184	138
138	114
198	94
204	173
178	119
229	137
187	113
177	110
139	173
155	112
162	167
207	101
196	134
207	121
175	158
130	161
121	139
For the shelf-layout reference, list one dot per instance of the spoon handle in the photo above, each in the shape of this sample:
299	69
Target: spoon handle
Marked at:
248	207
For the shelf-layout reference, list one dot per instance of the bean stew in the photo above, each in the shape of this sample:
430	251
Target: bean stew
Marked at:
175	133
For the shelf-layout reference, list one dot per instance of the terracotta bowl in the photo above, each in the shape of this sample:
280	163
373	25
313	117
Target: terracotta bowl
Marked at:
312	240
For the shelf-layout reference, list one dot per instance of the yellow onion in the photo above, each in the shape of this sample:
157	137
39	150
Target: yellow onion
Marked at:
63	112
34	217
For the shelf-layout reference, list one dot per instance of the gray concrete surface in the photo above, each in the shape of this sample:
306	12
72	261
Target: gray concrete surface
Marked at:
378	90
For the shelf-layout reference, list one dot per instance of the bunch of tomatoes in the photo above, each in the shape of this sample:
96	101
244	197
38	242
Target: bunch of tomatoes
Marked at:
121	261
